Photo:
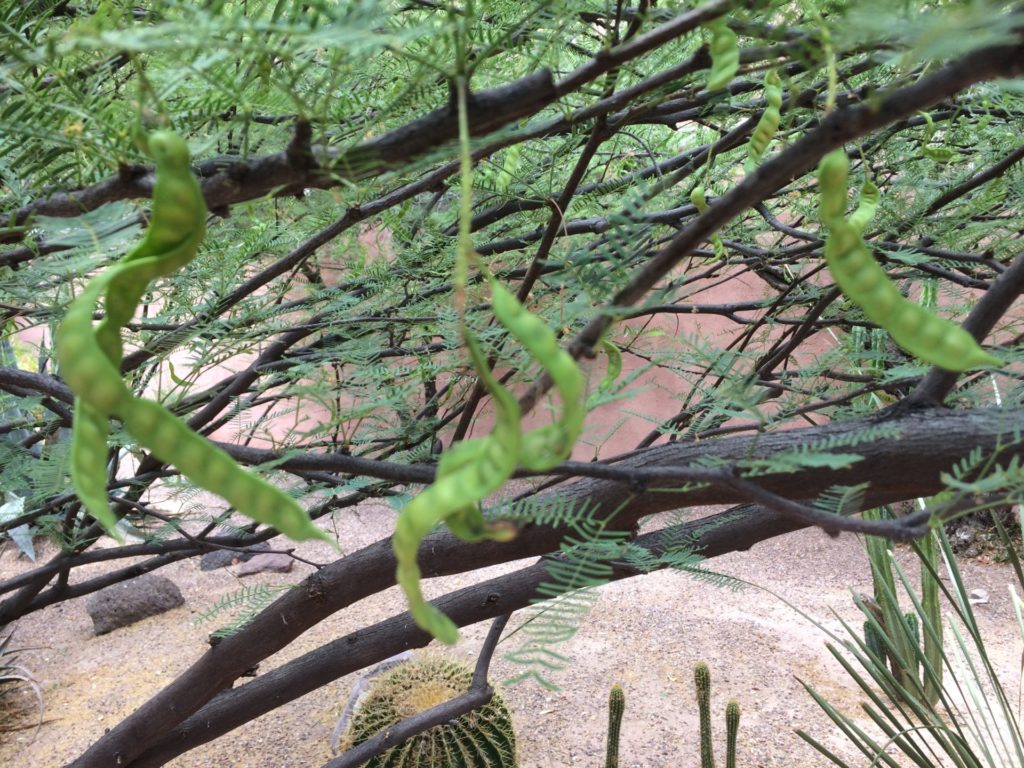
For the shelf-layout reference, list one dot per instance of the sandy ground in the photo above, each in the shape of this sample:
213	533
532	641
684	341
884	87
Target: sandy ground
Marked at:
645	633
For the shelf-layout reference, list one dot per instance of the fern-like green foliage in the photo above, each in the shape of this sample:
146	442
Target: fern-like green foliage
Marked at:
321	317
239	607
581	565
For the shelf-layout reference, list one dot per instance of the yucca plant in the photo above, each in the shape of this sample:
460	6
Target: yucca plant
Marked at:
893	634
12	677
972	721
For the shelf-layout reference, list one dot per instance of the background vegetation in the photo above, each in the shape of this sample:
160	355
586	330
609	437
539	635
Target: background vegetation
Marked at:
316	333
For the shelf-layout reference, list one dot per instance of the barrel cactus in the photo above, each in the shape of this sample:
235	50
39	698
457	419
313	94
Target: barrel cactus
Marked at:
483	738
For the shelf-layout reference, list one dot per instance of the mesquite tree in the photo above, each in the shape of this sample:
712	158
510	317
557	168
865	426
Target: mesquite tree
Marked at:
344	148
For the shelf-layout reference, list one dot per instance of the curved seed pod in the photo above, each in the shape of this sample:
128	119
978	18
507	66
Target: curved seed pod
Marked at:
175	232
83	364
469	473
867	204
860	278
88	463
832	173
99	392
725	54
699	199
547	446
206	465
700	202
89	359
767	126
614	364
922	334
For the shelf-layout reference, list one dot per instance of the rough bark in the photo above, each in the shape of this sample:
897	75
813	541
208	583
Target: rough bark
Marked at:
904	461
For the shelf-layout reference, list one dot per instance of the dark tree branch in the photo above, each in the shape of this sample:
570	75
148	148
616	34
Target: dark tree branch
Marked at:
731	531
996	301
835	130
904	461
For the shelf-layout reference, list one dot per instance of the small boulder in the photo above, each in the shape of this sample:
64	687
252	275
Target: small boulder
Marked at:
120	605
275	562
222	558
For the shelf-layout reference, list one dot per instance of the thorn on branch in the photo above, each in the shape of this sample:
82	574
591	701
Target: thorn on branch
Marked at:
300	149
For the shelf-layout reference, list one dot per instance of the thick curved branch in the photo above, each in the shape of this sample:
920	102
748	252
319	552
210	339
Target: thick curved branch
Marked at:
281	174
904	460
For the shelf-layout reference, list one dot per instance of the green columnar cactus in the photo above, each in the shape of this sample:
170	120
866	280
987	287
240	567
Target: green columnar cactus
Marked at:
932	618
903	630
732	726
873	640
483	738
702	681
911	618
616	706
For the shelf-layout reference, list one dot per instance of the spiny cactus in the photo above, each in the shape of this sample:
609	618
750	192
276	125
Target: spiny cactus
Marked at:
732	726
616	706
874	641
483	738
702	681
904	647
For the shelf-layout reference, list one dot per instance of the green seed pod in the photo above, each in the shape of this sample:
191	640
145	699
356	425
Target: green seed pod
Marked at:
547	446
725	54
84	367
867	204
701	204
88	461
832	173
483	738
175	233
466	474
171	441
768	125
89	359
864	282
697	197
614	364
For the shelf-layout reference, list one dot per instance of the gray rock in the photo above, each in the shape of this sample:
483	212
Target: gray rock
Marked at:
122	604
222	558
269	561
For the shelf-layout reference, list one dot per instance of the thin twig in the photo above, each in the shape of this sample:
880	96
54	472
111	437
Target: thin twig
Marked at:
479	693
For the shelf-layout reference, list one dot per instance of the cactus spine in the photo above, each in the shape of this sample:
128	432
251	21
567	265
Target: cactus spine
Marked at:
616	706
702	682
483	738
732	726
